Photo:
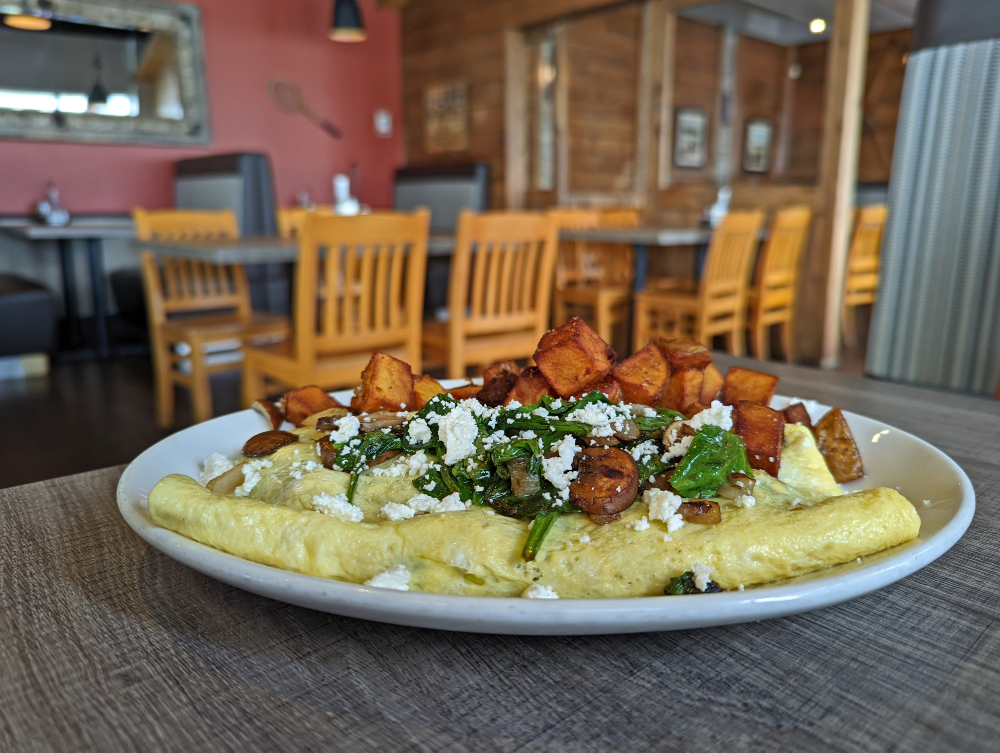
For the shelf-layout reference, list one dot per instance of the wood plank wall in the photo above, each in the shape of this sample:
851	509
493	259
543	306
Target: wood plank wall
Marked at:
602	51
446	41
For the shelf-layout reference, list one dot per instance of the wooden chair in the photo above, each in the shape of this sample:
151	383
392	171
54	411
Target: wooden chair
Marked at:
291	219
718	305
199	314
861	281
594	280
359	287
499	292
772	298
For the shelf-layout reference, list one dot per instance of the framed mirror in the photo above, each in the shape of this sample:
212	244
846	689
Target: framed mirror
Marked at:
104	71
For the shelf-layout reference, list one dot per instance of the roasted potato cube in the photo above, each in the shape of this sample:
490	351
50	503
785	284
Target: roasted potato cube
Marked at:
643	375
424	389
683	389
386	384
747	384
504	367
797	414
465	391
531	387
495	391
301	403
713	383
762	430
682	353
609	387
835	441
573	356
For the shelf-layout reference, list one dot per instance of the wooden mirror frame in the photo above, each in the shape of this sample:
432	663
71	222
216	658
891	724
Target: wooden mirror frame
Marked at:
183	21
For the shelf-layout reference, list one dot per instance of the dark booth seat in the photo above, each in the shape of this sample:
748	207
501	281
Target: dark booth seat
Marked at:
27	317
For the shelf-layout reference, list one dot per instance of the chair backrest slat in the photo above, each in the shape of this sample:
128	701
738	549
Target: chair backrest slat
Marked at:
863	257
778	269
725	277
291	219
502	270
184	285
372	270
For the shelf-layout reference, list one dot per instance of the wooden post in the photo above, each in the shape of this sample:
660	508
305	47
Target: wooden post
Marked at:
516	56
818	317
663	127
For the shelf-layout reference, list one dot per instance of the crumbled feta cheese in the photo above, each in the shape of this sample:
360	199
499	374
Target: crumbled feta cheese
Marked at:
540	412
643	410
458	432
396	511
678	449
927	503
451	503
643	450
715	415
795	503
585	539
604	417
745	500
702	575
538	591
741	587
396	578
559	469
513	405
402	406
418	432
667	537
663	506
528	434
337	506
251	475
490	511
347	428
639	525
858	560
214	466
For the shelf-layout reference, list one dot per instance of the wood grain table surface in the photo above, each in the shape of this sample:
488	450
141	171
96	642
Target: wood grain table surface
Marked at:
106	644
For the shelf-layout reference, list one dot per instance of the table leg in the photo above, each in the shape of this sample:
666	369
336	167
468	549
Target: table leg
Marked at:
99	285
69	292
641	266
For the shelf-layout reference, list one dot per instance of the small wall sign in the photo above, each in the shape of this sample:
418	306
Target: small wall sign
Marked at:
446	118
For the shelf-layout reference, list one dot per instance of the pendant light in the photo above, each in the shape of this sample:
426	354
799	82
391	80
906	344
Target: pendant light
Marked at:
38	19
348	26
98	95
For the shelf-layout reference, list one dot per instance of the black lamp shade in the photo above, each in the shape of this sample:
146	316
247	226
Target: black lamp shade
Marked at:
348	26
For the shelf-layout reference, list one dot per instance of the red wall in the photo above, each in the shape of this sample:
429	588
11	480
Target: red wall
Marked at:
247	43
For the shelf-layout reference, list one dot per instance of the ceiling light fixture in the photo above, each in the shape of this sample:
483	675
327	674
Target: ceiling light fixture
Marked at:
348	26
27	22
817	26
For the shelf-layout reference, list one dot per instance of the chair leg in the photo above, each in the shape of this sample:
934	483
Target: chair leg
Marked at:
252	386
164	387
850	334
639	326
760	340
788	340
201	388
735	341
604	320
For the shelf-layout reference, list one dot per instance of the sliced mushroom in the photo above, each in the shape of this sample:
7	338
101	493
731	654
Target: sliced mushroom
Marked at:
522	483
327	453
270	412
629	431
739	483
603	520
607	483
703	511
379	420
611	441
387	455
267	442
228	482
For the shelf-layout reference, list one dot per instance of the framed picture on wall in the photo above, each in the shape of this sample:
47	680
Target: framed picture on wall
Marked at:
446	117
691	138
757	146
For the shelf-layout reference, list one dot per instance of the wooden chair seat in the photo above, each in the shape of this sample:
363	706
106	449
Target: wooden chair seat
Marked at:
499	291
771	301
179	292
365	292
594	280
718	305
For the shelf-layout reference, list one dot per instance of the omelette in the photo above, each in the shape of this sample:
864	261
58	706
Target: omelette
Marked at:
390	524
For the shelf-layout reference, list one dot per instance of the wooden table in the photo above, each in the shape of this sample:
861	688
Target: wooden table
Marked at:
641	238
106	644
93	231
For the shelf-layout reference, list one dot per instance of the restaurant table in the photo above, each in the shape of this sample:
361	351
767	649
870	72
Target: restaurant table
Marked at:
641	238
107	644
93	231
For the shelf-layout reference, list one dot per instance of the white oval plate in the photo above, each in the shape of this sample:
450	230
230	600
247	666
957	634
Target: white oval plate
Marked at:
891	457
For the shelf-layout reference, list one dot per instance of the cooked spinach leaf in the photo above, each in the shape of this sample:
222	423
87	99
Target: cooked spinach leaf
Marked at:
714	455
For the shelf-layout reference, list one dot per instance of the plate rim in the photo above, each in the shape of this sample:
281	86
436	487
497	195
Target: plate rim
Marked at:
566	616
